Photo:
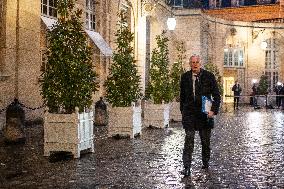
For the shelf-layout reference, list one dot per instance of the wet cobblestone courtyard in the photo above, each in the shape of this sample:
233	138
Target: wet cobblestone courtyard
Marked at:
247	152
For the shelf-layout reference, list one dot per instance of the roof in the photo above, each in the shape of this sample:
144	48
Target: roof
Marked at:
248	13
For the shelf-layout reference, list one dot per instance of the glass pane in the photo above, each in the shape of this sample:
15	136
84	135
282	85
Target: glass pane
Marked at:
94	19
51	3
230	58
241	58
44	2
178	3
225	58
94	26
44	10
236	57
50	12
92	5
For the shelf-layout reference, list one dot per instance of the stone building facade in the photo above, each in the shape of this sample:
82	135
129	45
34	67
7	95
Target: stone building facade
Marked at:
232	38
229	37
23	27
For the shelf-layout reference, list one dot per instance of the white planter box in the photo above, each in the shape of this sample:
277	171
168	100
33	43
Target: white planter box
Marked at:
125	121
175	113
157	115
68	132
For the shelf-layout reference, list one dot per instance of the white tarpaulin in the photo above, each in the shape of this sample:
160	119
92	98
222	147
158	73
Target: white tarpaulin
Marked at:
96	37
100	42
49	22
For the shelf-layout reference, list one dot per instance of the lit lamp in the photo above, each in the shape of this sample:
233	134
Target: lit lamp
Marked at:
171	23
254	81
263	45
279	83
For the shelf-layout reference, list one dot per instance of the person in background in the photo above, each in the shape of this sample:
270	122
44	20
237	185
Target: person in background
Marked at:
237	92
282	98
277	90
254	92
194	85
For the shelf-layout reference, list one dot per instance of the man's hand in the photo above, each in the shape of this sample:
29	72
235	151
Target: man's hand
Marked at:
210	114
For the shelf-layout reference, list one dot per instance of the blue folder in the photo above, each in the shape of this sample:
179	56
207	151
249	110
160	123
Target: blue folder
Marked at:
206	104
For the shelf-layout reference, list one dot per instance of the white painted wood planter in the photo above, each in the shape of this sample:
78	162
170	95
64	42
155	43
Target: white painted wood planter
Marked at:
125	121
157	115
68	132
175	114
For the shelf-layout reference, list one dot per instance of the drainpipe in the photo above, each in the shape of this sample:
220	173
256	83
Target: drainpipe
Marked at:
281	8
17	52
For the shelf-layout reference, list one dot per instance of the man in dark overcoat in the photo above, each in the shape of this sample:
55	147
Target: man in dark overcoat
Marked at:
194	84
237	92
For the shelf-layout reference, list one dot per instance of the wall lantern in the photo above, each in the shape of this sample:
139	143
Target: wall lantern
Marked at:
263	45
254	81
171	23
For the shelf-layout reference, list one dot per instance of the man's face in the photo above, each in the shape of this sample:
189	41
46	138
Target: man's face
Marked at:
195	64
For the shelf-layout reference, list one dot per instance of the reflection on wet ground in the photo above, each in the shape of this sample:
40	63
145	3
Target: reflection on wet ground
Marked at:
247	152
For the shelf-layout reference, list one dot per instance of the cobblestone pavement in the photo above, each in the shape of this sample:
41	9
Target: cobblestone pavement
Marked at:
247	152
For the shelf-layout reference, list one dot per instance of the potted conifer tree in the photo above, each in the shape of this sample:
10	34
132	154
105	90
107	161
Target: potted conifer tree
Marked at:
159	89
262	90
123	90
68	82
176	72
213	68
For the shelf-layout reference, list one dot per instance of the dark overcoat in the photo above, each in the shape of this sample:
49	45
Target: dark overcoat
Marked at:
237	89
190	106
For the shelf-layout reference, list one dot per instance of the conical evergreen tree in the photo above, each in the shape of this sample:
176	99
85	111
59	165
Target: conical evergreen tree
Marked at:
213	68
263	85
69	78
159	88
123	83
177	70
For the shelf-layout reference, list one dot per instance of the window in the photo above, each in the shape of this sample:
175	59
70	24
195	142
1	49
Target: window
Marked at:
178	3
90	15
234	57
48	8
271	62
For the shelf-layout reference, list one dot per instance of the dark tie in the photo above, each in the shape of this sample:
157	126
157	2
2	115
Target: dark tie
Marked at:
196	85
196	82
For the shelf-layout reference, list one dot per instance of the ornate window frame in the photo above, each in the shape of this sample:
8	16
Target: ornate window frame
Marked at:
271	62
49	8
234	57
90	21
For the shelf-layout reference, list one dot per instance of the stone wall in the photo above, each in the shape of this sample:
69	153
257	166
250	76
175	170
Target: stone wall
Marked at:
24	43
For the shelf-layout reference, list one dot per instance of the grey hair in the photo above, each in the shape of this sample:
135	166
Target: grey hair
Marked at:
194	55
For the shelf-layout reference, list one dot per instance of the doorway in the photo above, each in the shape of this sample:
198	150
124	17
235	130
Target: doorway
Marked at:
228	83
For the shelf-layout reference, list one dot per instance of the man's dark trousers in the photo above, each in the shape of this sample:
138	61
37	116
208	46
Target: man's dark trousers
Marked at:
204	134
236	102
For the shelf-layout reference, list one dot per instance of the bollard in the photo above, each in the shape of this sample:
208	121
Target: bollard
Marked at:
14	129
101	117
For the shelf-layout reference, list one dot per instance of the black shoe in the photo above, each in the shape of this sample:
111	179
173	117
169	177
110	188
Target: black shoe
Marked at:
186	172
205	166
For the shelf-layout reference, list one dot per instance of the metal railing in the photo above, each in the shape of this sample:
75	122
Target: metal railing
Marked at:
267	98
